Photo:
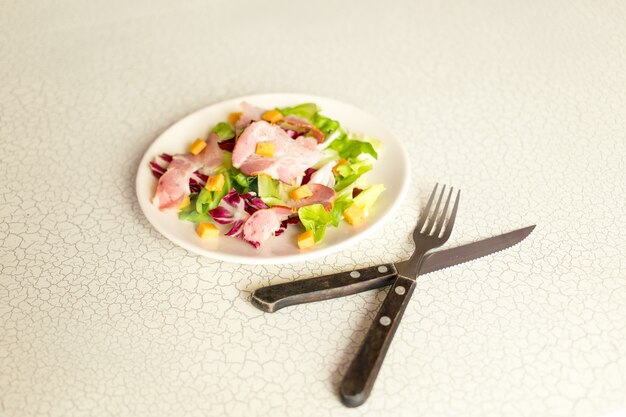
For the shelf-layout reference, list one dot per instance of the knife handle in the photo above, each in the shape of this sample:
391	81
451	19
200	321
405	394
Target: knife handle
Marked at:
359	379
275	297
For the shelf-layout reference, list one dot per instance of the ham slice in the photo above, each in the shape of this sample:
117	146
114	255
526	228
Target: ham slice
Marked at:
173	186
249	114
321	195
264	223
291	157
290	122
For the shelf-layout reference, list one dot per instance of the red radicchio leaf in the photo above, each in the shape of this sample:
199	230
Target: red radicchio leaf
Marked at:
356	191
233	199
202	177
253	203
235	209
307	175
157	170
292	133
230	210
194	186
227	145
237	229
159	165
222	215
285	223
255	244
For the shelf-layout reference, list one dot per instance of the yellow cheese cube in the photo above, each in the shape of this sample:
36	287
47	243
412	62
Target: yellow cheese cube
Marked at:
272	116
184	203
215	183
265	149
354	215
207	231
301	192
306	240
233	117
197	146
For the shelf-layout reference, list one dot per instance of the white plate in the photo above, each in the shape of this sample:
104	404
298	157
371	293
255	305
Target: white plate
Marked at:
391	169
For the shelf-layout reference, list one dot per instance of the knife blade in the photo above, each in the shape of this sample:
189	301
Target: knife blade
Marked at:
274	297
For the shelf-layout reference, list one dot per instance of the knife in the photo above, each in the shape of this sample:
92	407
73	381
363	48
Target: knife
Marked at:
274	297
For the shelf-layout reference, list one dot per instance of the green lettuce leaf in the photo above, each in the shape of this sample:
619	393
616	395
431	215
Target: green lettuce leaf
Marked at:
253	185
190	214
306	111
208	200
365	138
227	163
366	198
341	203
269	191
224	130
351	149
273	192
240	182
350	173
314	217
203	202
193	216
326	124
311	113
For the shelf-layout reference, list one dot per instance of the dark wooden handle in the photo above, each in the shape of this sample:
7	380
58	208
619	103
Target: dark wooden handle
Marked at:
359	380
275	297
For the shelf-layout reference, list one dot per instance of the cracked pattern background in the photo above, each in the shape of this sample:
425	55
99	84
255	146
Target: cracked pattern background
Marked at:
521	104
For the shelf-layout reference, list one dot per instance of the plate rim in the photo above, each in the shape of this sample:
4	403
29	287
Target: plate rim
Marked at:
278	259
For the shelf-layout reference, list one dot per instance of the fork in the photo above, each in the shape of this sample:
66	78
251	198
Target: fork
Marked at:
432	230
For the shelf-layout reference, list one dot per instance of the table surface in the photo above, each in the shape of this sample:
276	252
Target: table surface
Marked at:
521	104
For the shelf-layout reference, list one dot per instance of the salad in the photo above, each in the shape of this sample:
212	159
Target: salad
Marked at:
264	170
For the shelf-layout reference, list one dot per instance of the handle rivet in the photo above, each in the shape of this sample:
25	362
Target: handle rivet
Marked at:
385	321
400	290
355	274
382	269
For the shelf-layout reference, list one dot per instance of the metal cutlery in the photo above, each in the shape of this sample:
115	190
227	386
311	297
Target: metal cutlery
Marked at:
275	297
433	230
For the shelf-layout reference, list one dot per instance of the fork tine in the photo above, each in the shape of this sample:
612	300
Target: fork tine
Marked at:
448	230
424	216
443	215
433	217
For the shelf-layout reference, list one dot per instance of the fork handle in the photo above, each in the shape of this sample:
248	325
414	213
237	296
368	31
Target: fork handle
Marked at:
359	379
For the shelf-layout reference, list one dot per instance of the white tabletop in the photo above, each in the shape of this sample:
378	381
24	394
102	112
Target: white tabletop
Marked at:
521	104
